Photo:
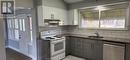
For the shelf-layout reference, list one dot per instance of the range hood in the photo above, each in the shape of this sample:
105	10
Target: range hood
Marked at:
52	22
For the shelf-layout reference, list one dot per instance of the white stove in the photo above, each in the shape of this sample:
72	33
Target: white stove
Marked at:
52	37
57	44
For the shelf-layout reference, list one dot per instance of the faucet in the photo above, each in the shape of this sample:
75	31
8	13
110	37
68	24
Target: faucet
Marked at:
97	34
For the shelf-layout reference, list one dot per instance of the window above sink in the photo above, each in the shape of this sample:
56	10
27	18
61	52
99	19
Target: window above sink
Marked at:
110	16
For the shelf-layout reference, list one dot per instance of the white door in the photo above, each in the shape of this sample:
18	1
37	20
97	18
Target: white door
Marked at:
21	31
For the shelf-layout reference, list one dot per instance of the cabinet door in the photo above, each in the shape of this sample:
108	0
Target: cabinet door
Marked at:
73	17
98	50
82	48
86	48
67	51
58	13
127	52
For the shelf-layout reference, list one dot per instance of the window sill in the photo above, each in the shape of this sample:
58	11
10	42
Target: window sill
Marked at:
116	29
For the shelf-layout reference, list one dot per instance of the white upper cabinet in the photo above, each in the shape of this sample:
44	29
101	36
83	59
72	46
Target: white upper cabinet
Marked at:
55	7
58	13
73	17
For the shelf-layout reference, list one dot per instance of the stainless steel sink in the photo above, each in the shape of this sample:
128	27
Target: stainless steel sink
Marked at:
95	36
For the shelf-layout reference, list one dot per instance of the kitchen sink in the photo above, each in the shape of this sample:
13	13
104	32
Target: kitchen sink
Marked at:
95	36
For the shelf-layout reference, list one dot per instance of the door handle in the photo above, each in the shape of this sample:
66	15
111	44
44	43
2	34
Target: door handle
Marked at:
19	36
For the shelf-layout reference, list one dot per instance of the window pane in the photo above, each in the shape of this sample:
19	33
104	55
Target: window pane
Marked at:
30	19
9	23
9	34
113	18
90	23
17	34
23	20
20	23
113	13
89	18
13	23
31	36
104	16
114	23
16	23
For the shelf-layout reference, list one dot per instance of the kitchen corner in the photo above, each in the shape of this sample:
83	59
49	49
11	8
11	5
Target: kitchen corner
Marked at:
65	29
77	42
88	32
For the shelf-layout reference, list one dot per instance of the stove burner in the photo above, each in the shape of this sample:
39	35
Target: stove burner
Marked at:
58	36
49	38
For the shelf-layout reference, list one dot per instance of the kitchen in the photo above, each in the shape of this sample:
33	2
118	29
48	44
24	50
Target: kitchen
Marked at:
89	30
70	29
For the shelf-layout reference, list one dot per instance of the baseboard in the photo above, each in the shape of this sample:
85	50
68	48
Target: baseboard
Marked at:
18	51
6	46
33	58
14	49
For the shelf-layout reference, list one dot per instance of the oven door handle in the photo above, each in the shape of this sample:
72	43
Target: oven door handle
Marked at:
54	42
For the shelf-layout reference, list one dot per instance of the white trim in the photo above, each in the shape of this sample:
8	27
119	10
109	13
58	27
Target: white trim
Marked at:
126	18
34	58
19	51
14	49
104	5
110	29
6	46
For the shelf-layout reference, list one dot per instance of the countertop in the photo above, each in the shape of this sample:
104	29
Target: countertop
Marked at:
109	39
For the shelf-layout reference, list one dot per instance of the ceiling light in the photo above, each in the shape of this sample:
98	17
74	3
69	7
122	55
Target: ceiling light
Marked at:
101	8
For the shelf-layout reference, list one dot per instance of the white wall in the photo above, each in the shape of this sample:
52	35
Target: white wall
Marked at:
2	37
24	3
2	41
40	15
55	3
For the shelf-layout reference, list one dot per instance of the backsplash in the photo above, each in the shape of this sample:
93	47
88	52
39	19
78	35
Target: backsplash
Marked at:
56	30
105	33
69	29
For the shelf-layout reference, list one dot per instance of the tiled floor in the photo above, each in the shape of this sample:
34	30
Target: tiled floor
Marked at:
13	55
73	58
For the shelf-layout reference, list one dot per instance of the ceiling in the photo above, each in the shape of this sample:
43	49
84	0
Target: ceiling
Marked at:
72	1
75	1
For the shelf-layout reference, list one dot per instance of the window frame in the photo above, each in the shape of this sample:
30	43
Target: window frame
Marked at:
126	19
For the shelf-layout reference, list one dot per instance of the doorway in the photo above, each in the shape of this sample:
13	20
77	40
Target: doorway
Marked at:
19	32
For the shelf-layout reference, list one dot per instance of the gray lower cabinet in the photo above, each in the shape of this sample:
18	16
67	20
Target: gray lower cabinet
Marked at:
84	48
67	51
43	50
127	52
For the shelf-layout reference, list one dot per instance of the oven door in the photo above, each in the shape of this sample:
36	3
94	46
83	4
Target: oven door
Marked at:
57	47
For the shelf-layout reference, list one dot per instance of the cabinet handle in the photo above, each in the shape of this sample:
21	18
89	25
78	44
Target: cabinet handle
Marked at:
20	37
92	45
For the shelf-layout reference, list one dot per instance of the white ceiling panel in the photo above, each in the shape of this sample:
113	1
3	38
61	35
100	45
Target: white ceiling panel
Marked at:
72	1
